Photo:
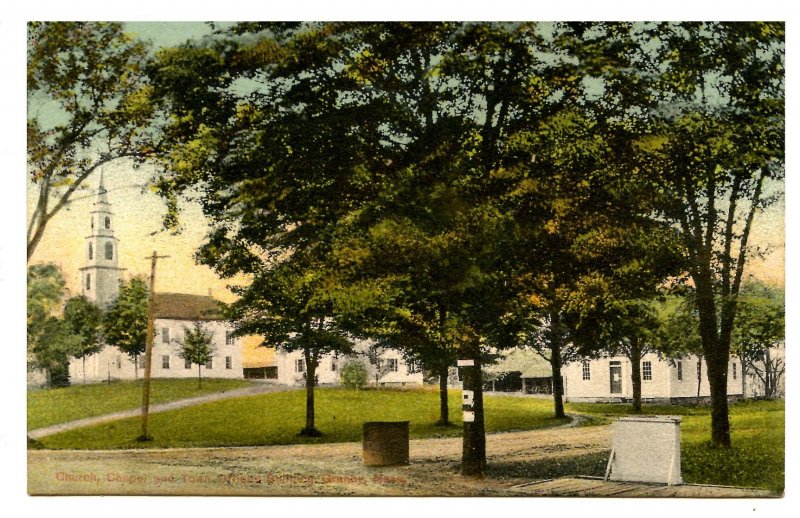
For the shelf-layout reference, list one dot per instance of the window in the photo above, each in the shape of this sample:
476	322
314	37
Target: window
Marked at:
119	361
108	222
165	361
91	252
679	366
140	360
210	364
733	370
164	335
586	374
109	250
88	281
411	367
392	364
299	365
92	223
229	338
647	371
228	362
334	364
187	364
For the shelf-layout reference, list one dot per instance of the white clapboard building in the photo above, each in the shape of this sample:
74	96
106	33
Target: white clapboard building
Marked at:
386	368
609	379
172	312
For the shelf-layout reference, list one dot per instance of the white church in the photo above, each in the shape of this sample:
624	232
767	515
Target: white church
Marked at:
172	312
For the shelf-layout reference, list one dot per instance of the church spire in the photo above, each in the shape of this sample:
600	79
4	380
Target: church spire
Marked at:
101	190
101	275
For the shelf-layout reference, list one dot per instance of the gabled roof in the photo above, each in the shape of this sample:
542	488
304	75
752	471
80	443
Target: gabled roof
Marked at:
182	306
529	363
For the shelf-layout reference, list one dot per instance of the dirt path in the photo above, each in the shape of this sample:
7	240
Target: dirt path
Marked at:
326	469
258	388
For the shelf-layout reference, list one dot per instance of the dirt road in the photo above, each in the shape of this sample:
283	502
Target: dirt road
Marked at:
326	469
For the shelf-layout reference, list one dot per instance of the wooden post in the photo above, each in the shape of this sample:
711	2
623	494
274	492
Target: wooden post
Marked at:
148	355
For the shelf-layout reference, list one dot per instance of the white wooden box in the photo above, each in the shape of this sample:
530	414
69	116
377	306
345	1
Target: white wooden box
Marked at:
646	449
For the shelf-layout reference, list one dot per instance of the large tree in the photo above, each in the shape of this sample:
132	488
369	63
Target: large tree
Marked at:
713	151
125	321
87	106
266	123
85	320
288	305
50	340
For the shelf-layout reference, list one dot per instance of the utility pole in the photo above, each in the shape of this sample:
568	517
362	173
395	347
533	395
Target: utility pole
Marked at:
148	357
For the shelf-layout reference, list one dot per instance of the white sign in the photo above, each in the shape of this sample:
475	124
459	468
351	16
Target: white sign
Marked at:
469	416
466	363
468	397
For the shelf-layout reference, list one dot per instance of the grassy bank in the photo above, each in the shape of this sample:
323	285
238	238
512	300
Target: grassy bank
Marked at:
276	418
756	459
52	406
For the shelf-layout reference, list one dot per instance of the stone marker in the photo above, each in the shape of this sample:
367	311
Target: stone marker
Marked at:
385	443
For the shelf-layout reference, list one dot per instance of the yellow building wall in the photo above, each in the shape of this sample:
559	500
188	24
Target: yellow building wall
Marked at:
255	356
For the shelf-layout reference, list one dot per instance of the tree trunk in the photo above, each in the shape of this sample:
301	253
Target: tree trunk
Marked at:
636	374
717	353
699	374
743	363
83	360
310	429
473	454
444	410
768	385
199	376
136	367
555	364
720	424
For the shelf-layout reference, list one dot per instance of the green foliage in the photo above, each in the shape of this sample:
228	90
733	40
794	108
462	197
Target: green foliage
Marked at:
89	76
84	319
46	288
354	374
197	346
47	407
125	322
55	343
51	341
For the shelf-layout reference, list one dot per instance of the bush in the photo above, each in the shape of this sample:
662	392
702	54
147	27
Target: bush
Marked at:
354	374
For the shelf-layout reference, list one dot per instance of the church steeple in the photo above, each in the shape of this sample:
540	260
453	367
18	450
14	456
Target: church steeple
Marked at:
100	277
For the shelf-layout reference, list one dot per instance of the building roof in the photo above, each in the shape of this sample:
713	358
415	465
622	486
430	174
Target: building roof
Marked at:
183	306
527	362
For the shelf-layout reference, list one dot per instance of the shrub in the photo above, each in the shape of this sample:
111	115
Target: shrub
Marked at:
354	374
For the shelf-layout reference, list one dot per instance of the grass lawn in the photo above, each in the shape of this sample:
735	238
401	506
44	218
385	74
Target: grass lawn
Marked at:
52	406
276	418
756	458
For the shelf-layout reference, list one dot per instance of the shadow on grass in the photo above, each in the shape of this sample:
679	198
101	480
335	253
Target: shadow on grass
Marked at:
592	464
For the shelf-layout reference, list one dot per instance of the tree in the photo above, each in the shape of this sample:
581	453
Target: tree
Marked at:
50	341
125	322
758	331
52	348
280	163
354	374
287	305
89	76
46	288
84	319
713	151
197	347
